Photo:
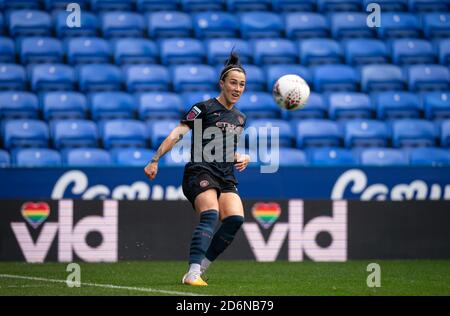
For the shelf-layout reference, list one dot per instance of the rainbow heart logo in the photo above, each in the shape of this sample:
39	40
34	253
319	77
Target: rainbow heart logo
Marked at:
266	213
35	213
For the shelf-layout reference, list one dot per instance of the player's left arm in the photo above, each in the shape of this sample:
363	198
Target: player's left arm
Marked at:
242	161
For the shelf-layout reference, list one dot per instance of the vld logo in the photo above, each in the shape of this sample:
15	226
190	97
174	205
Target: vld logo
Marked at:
301	237
71	239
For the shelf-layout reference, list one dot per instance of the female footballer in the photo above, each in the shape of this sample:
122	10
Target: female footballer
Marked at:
210	184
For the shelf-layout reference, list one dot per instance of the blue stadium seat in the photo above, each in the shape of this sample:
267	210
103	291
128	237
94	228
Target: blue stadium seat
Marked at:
428	78
258	129
365	51
7	50
123	133
181	51
159	105
25	133
366	133
248	5
255	78
88	50
88	25
86	157
317	133
306	25
436	105
274	51
350	25
15	104
62	4
58	105
398	25
47	77
215	24
291	157
147	78
445	133
293	5
191	98
74	133
261	25
193	78
110	5
276	71
5	159
258	105
156	5
219	50
12	77
335	78
443	49
40	50
412	51
135	51
339	5
383	157
36	158
169	24
315	108
429	5
122	24
397	105
29	23
22	4
132	157
331	156
159	130
98	77
350	105
320	51
436	25
389	5
432	157
382	77
413	133
202	5
112	105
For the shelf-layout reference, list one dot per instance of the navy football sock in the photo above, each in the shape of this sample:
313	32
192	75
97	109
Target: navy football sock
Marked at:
224	236
202	235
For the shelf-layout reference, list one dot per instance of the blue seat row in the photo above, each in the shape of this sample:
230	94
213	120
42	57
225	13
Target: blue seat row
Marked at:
167	105
139	157
200	77
299	133
223	24
308	52
231	5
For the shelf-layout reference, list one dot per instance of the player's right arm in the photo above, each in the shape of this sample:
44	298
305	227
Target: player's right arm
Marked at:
174	137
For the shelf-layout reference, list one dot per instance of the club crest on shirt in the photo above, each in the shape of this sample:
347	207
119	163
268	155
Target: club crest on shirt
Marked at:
193	113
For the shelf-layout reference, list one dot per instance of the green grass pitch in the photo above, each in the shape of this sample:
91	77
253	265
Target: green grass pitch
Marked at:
234	278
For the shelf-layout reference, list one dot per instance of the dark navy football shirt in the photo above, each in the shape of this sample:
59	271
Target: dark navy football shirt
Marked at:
214	145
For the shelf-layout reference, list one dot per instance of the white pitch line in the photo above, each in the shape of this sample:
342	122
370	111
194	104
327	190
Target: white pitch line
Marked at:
106	286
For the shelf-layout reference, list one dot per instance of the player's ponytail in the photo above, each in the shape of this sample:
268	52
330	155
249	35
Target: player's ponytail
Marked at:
232	63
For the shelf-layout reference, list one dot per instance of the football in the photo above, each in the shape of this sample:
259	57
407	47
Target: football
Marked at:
291	92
